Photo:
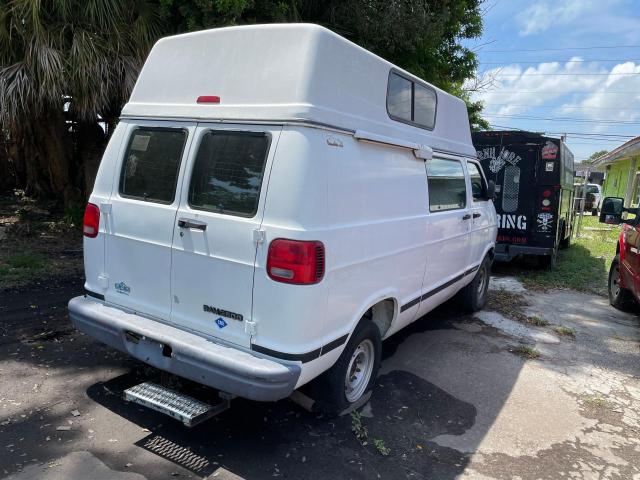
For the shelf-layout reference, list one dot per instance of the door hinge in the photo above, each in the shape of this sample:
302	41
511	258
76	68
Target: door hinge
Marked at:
250	327
259	236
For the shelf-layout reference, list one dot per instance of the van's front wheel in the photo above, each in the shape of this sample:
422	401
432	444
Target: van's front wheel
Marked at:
344	386
473	297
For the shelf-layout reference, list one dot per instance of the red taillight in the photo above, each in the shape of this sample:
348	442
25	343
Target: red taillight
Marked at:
91	221
546	193
208	99
295	261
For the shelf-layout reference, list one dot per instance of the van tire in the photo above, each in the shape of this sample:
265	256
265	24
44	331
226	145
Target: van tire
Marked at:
619	297
331	387
473	297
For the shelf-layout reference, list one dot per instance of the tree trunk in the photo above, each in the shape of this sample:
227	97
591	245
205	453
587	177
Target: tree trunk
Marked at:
90	147
41	152
7	175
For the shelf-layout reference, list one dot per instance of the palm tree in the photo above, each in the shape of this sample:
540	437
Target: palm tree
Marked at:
64	65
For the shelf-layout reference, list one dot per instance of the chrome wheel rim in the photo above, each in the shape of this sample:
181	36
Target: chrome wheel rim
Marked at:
614	284
359	371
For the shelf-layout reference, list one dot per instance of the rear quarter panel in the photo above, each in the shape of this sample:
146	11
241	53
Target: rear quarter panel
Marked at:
94	255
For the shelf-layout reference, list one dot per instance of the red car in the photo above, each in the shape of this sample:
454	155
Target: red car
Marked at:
624	274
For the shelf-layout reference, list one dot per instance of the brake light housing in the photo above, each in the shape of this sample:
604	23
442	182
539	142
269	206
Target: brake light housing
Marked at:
91	221
296	261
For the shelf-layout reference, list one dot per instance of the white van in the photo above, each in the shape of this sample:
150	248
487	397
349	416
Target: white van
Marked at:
274	202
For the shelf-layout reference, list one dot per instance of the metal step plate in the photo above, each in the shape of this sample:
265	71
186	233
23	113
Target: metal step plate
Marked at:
188	410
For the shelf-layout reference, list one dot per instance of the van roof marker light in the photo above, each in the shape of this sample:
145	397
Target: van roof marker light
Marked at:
208	99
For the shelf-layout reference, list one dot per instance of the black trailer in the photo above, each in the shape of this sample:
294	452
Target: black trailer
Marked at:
534	192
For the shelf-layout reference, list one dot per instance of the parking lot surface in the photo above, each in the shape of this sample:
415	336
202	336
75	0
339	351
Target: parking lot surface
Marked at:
469	397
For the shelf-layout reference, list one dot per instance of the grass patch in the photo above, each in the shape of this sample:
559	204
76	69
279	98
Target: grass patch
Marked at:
565	331
381	447
26	261
22	267
537	321
358	428
525	351
508	304
597	401
584	266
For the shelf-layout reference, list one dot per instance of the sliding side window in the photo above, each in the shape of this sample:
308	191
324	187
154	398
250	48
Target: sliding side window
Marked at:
447	186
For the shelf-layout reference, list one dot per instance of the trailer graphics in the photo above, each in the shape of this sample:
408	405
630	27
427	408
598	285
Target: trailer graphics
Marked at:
534	189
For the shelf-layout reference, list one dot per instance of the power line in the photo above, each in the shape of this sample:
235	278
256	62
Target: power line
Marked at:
617	135
597	47
524	74
617	109
567	119
506	62
594	134
559	92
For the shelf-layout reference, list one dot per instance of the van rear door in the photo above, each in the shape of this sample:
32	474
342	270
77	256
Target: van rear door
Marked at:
216	229
140	215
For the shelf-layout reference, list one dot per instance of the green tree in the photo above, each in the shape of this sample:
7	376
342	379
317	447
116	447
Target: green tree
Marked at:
422	36
596	155
64	65
68	66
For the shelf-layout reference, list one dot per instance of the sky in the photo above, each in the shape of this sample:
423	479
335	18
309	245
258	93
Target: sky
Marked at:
562	66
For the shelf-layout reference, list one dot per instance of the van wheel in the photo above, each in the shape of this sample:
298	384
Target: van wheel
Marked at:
474	296
347	384
619	297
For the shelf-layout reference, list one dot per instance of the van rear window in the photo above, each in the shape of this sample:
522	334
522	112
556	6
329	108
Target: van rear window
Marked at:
227	174
151	163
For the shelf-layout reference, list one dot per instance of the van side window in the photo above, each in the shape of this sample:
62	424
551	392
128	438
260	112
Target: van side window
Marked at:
228	170
151	163
447	187
424	110
410	102
478	187
399	97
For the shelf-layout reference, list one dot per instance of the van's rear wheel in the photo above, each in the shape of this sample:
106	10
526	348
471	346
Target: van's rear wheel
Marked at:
619	297
344	386
474	296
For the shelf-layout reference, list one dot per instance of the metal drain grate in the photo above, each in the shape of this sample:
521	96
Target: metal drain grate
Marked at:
188	410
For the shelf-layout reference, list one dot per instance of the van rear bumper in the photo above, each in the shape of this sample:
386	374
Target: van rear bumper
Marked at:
506	253
185	354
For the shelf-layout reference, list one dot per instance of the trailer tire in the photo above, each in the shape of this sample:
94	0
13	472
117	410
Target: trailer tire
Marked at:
565	242
473	297
619	297
548	262
335	394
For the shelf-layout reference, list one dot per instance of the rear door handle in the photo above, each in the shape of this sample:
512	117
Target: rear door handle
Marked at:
467	216
189	223
477	215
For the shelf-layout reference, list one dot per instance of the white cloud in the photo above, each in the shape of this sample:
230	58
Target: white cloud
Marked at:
587	103
516	90
543	15
615	98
